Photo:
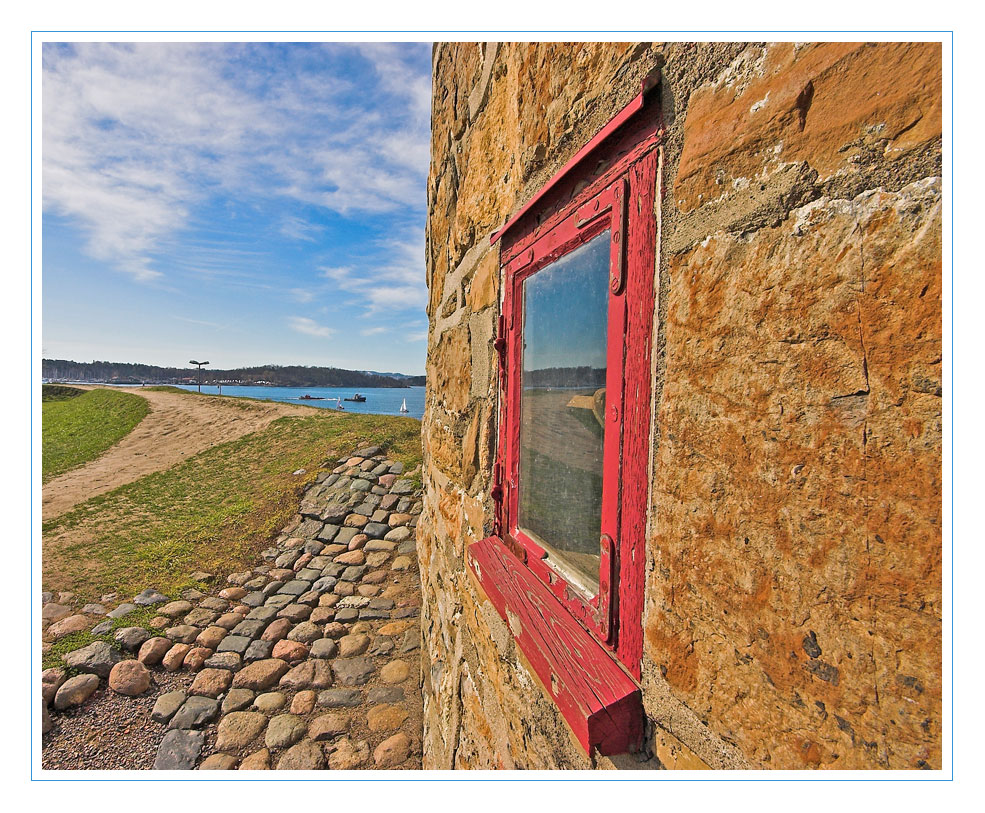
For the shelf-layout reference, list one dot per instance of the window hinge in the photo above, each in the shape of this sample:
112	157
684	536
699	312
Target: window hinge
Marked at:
606	580
618	276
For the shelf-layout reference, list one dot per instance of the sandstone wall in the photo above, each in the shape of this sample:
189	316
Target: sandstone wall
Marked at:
793	602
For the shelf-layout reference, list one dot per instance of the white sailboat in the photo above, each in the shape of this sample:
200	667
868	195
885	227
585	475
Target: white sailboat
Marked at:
403	406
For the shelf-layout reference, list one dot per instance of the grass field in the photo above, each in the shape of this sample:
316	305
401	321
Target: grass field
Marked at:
77	428
212	512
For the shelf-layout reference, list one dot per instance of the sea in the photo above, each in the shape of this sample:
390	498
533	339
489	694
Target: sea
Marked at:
379	400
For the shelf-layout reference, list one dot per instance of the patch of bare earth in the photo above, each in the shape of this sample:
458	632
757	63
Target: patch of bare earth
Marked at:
177	427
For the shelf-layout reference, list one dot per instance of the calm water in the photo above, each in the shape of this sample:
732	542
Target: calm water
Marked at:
379	401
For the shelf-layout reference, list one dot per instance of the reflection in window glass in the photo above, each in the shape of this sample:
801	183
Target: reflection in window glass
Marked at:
562	403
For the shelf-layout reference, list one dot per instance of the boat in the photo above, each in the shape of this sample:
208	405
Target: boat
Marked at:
310	398
357	397
403	406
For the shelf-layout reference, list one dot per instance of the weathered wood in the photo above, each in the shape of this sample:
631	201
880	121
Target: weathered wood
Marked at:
600	702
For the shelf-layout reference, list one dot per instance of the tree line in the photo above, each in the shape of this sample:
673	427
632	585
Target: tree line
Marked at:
109	372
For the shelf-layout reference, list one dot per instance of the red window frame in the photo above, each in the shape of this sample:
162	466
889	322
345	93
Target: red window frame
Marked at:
603	211
596	690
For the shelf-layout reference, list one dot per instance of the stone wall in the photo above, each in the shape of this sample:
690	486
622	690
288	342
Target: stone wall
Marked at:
793	595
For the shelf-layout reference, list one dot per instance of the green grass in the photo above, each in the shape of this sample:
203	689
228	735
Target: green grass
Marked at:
212	512
77	429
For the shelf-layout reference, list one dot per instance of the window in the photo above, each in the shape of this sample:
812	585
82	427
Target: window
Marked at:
565	567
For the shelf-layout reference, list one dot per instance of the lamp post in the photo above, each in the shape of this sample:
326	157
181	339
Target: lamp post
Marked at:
200	365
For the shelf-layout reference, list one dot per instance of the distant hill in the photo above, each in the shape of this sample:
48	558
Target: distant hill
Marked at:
110	372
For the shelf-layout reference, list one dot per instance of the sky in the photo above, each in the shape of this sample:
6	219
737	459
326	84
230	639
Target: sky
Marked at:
245	203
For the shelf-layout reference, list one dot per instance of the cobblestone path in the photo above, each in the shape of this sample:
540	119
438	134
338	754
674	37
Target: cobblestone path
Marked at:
309	661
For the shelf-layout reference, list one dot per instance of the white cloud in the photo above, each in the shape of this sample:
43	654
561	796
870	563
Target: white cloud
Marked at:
302	296
374	331
309	327
137	136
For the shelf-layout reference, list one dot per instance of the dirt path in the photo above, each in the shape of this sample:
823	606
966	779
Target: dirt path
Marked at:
177	427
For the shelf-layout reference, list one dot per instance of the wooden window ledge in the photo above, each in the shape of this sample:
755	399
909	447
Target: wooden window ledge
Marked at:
600	702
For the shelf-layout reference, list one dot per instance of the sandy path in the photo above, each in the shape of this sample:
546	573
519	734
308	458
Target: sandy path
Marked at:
177	427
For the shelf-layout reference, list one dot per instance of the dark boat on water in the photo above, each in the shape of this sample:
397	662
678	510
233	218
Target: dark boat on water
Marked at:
310	398
356	397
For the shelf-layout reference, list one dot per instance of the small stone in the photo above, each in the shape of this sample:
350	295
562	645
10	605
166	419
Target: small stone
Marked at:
98	658
166	706
103	628
228	620
179	750
237	700
312	674
257	761
225	660
321	615
196	658
376	577
270	701
74	623
392	751
183	633
153	650
210	637
401	563
234	643
351	645
75	690
129	678
238	729
174	659
211	682
258	651
174	609
335	698
305	633
232	593
381	646
324	648
284	730
218	762
131	638
51	680
55	612
278	629
305	756
328	727
303	702
395	672
385	694
411	642
214	603
291	651
195	712
347	755
201	617
149	597
261	675
191	594
353	671
249	629
386	717
295	613
347	614
94	609
122	610
201	576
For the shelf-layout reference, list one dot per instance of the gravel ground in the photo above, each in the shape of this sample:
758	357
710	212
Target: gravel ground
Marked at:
109	731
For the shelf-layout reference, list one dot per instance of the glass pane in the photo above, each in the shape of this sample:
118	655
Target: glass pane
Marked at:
562	403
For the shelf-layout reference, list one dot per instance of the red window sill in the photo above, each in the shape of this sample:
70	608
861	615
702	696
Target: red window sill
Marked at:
598	699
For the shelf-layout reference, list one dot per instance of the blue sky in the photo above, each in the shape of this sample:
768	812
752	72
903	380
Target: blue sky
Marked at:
243	202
